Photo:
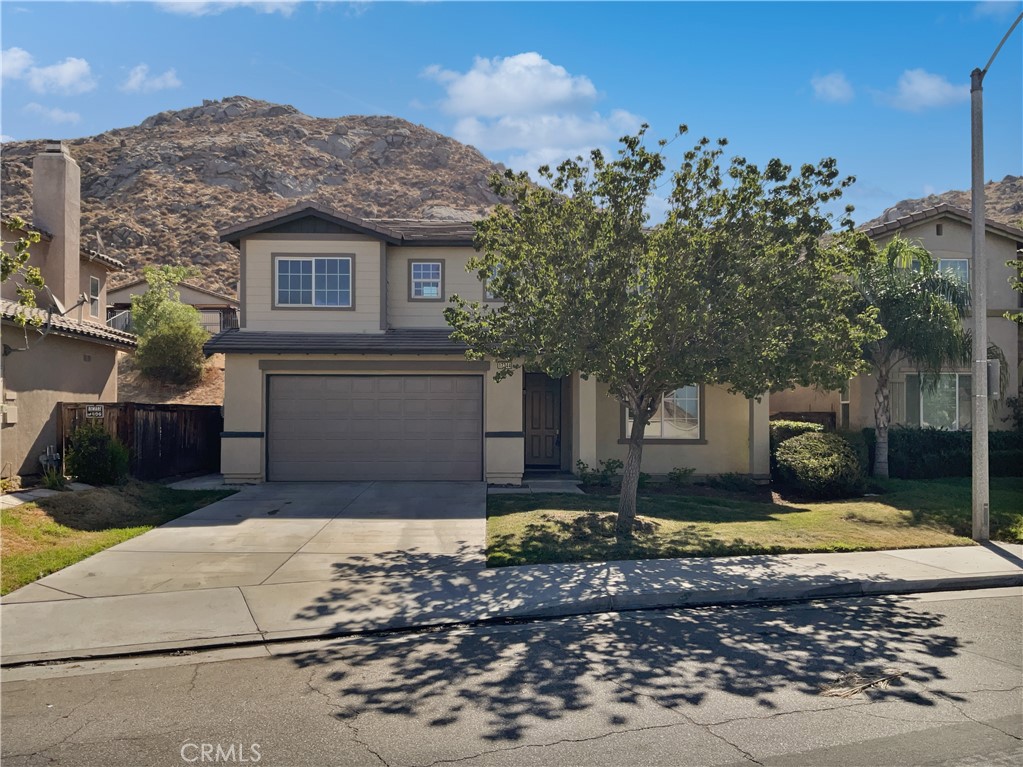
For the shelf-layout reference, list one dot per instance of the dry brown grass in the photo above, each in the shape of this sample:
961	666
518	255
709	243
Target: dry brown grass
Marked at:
132	386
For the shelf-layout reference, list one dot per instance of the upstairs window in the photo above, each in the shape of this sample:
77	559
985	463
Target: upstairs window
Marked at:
960	266
426	280
94	288
314	282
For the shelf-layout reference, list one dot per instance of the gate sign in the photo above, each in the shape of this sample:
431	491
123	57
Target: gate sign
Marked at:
93	411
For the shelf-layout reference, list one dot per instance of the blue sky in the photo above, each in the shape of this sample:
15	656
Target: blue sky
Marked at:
883	87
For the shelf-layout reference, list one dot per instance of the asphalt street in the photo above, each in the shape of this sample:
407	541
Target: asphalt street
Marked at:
715	686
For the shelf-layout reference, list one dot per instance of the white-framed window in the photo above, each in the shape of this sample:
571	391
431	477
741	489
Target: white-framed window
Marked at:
315	282
94	289
488	293
843	402
949	405
426	280
960	266
678	416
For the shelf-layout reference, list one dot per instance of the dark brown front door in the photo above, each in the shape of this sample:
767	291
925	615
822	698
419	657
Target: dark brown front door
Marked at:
542	414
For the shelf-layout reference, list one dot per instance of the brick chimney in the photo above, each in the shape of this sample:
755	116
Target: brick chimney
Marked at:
57	208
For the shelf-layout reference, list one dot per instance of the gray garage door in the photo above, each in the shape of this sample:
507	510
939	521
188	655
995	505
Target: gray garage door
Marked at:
336	428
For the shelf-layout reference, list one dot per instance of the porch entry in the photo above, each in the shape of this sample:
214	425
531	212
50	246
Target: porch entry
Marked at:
541	413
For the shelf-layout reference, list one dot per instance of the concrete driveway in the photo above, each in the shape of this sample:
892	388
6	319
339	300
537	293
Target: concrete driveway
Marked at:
289	533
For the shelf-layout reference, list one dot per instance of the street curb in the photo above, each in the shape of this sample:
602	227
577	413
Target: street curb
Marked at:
608	603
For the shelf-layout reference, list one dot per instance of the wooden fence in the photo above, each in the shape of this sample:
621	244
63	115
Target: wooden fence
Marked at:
163	440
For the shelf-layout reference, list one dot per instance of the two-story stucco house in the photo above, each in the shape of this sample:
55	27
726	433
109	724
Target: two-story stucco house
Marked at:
71	356
944	231
342	369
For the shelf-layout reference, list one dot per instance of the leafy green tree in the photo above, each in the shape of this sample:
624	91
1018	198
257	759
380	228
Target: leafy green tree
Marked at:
170	349
737	287
1016	281
14	264
921	310
163	287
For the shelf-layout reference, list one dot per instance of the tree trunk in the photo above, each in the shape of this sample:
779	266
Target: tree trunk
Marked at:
882	416
630	477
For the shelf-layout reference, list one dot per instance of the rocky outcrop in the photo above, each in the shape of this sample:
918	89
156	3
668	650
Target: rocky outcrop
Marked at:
1003	202
158	192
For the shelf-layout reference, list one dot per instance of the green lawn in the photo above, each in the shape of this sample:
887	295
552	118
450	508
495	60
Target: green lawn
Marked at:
529	529
39	538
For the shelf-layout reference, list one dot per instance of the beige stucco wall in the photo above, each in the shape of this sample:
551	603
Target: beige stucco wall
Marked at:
258	312
54	369
726	430
84	312
242	458
188	294
953	242
403	313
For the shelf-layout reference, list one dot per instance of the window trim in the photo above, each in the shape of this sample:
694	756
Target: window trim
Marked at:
943	268
623	434
94	298
443	278
489	296
958	421
275	257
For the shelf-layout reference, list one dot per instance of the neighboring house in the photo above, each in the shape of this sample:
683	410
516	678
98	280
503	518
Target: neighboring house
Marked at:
945	232
217	311
342	369
72	355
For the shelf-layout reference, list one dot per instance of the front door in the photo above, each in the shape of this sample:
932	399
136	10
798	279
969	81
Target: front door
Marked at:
542	414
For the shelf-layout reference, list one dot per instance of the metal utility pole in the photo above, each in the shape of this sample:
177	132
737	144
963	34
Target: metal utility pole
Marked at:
981	485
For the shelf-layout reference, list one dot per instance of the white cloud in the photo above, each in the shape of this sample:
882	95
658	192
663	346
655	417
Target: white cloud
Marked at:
545	130
998	9
526	83
52	114
5	138
919	89
529	109
213	7
15	63
832	87
140	81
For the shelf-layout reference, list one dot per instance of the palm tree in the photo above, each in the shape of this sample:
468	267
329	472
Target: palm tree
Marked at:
921	309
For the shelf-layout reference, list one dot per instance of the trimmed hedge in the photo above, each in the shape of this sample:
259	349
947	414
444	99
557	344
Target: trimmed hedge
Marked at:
95	457
783	430
820	466
927	453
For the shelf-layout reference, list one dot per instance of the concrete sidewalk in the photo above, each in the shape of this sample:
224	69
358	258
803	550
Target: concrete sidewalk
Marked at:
407	591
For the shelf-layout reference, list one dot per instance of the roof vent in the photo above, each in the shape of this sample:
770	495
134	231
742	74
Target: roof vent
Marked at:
55	147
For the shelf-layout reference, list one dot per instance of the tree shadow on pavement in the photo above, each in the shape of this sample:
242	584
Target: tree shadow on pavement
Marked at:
514	678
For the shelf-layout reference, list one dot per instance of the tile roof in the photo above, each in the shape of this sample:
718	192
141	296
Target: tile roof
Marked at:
395	231
200	288
87	254
938	211
71	328
400	341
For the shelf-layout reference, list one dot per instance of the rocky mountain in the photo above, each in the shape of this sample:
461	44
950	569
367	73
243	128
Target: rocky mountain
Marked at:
158	192
1003	202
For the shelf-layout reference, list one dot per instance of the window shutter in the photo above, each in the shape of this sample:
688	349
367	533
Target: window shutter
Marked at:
913	400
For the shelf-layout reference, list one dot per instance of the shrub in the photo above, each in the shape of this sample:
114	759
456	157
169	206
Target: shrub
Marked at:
170	350
53	479
681	476
733	482
915	453
820	466
96	457
782	430
644	480
604	476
